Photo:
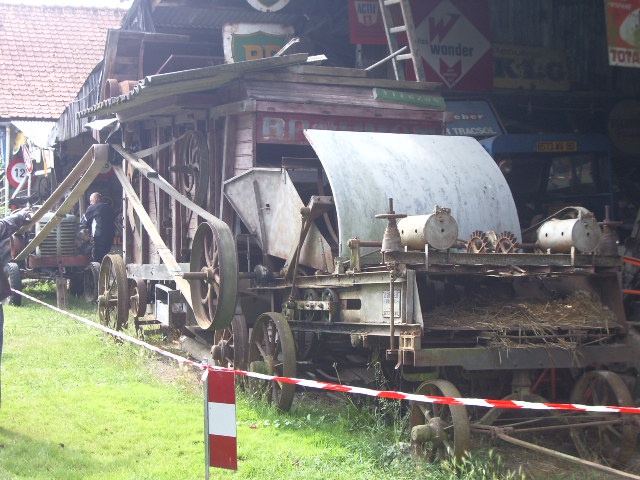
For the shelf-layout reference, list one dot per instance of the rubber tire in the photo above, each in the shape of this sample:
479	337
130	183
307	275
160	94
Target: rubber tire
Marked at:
76	284
90	281
15	280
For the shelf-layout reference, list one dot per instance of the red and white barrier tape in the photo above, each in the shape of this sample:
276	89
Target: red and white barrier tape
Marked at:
476	402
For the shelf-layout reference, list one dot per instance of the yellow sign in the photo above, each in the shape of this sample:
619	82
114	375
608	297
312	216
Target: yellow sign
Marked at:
557	146
530	68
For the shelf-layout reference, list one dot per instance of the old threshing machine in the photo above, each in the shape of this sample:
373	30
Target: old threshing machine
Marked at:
271	217
413	255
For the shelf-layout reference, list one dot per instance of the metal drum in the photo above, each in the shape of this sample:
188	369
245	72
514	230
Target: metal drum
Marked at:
558	236
438	230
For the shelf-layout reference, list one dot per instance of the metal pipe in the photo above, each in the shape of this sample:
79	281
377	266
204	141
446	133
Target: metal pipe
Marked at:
392	325
385	59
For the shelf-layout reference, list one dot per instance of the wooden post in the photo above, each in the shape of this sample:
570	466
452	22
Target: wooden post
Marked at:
61	291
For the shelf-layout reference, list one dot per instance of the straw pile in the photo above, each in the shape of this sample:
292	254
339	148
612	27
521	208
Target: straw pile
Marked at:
516	324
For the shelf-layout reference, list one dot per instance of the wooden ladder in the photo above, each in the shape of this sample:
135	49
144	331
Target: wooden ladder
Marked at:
408	28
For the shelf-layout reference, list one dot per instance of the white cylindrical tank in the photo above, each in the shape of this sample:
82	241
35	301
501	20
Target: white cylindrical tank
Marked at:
438	230
583	233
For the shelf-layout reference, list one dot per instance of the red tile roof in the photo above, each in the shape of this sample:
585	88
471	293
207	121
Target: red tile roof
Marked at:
46	54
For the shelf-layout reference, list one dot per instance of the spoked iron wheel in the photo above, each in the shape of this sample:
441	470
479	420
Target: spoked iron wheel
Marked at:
113	305
214	295
272	351
439	431
193	168
138	301
231	344
608	443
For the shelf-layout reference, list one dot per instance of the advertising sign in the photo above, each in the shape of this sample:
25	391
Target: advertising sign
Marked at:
268	5
623	32
472	118
530	68
252	41
287	128
365	22
453	41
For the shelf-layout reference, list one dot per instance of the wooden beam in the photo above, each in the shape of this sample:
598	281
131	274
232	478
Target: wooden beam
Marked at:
350	81
163	251
74	175
99	155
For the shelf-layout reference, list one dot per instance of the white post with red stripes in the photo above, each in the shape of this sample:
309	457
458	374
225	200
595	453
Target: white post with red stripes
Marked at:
220	420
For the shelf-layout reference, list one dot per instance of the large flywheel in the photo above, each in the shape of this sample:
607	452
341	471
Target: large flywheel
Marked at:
214	292
113	292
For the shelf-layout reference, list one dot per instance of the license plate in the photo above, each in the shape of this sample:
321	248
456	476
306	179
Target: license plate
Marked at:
386	304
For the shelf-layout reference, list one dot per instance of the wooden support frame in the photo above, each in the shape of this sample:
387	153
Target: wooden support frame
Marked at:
82	175
226	250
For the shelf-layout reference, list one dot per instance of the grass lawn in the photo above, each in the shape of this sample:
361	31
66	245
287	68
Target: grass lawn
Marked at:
77	405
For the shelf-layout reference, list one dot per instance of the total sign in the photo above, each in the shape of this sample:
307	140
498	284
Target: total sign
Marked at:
452	39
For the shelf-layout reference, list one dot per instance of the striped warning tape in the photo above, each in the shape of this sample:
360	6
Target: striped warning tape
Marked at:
475	402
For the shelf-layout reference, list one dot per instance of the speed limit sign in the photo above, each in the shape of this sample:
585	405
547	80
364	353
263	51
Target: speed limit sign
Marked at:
17	172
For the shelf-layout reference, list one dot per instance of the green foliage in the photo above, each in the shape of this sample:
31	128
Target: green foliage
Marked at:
488	466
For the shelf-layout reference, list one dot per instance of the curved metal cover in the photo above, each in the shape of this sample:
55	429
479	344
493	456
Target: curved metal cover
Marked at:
418	172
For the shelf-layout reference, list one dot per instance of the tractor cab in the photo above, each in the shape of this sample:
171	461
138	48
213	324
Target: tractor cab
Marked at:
549	172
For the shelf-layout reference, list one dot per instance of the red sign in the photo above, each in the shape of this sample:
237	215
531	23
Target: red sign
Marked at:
17	172
287	128
453	41
220	416
623	32
365	22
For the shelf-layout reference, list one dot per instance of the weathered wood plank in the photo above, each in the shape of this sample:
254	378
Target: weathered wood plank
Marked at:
358	82
336	111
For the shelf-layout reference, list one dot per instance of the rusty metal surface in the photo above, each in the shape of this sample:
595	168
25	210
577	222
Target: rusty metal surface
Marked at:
418	172
482	358
55	262
268	203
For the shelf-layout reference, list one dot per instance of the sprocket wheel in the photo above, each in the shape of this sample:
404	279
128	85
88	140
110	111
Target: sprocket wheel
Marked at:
478	242
506	242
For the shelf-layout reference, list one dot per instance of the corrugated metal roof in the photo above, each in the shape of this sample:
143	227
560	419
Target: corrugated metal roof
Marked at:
214	18
187	81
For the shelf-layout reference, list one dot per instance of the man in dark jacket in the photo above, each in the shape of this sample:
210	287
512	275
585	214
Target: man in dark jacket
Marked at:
99	219
8	226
